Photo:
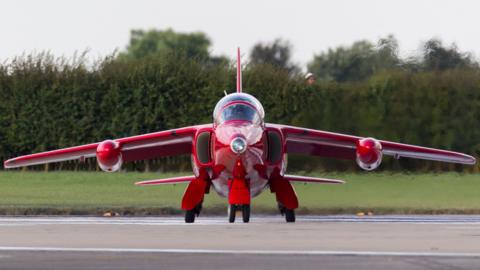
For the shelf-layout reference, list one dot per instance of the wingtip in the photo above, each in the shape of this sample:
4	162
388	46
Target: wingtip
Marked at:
473	160
337	182
468	160
7	164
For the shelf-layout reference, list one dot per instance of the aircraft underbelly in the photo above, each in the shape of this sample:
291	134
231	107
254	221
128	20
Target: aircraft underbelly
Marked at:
252	157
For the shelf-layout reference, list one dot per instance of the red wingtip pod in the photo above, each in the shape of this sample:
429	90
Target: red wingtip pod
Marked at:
239	72
369	153
109	156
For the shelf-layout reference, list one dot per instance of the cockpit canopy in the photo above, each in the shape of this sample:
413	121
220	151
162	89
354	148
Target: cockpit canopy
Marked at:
240	107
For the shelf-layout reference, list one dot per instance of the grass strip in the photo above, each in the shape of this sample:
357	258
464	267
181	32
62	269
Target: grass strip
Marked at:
92	193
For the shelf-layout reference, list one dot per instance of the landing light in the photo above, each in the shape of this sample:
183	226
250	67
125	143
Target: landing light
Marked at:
238	145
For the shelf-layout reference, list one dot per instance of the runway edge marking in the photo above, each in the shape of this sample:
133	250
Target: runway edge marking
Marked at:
247	252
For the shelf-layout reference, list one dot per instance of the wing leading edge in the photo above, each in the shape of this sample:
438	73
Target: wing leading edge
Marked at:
163	143
336	145
308	179
165	181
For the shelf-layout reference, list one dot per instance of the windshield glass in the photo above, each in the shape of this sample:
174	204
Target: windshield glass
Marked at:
239	111
238	106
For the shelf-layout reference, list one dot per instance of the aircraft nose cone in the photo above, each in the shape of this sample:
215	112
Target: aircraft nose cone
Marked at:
238	145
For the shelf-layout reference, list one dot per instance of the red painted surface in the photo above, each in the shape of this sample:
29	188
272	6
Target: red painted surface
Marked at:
134	148
161	135
108	154
284	191
235	173
262	170
239	191
320	150
168	150
239	72
239	188
323	143
195	191
369	150
217	169
52	156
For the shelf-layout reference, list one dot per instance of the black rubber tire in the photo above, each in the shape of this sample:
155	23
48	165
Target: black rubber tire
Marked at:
190	216
198	209
232	213
281	208
289	215
246	213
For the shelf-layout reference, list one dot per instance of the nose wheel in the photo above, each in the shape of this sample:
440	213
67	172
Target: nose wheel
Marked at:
232	211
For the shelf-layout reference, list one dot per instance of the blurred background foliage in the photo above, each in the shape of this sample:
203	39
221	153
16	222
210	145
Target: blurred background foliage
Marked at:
165	79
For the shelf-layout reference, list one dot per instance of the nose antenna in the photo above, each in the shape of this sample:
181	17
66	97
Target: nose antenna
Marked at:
239	72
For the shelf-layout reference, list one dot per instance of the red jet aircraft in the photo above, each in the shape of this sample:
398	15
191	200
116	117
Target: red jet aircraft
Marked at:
240	155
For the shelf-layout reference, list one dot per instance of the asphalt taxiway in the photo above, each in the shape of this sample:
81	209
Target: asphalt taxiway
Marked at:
332	242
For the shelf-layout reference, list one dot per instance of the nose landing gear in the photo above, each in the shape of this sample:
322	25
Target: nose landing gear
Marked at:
239	199
232	212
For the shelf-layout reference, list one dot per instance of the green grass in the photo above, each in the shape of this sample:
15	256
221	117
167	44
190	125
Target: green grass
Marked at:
92	193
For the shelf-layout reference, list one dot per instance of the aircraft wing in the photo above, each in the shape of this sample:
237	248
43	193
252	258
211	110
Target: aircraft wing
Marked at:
164	181
308	179
328	144
163	143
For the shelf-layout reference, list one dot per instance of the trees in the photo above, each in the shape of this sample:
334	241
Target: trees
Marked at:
438	57
162	42
277	53
363	59
356	62
49	103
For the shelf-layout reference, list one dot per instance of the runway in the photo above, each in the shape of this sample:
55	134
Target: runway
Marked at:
336	242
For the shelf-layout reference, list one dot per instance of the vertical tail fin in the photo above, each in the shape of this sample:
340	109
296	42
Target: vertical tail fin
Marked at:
239	72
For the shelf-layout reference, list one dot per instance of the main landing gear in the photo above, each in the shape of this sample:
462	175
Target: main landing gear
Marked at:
190	214
232	211
285	193
288	213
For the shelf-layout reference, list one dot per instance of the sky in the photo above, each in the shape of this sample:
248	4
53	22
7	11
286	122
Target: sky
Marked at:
102	26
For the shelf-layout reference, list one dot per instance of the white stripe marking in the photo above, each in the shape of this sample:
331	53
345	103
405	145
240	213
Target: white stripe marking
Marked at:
168	221
247	252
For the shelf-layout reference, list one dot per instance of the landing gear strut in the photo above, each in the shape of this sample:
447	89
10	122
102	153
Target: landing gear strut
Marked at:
233	208
190	214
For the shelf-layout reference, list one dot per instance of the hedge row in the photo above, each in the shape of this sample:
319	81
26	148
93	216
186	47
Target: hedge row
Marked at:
48	103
